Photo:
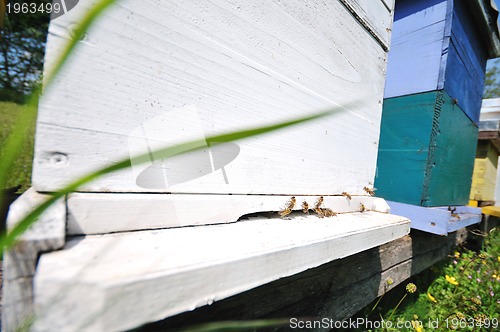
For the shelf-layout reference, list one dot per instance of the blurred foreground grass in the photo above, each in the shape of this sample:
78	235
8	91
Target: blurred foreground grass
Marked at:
21	171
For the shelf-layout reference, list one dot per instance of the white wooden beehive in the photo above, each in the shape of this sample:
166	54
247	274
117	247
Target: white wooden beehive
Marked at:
154	73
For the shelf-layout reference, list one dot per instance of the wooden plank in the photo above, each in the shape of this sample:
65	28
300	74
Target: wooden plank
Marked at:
466	63
185	74
19	262
343	286
416	55
429	220
461	217
484	177
438	220
452	152
374	16
128	212
404	147
491	210
389	4
128	287
426	153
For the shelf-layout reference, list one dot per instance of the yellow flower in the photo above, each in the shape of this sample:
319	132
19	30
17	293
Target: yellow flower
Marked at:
457	254
411	288
390	281
498	258
451	280
417	326
432	298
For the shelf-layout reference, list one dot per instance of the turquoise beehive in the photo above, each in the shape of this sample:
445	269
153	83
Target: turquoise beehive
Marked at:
432	100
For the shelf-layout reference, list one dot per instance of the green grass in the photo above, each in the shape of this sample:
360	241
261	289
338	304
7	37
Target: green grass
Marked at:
21	170
461	293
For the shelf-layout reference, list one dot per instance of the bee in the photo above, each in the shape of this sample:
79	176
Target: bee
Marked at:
328	212
288	207
454	215
346	194
320	212
362	207
319	202
305	207
371	192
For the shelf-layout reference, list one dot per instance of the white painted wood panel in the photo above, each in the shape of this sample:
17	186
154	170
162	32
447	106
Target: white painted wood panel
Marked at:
437	220
389	4
48	233
127	212
375	16
152	73
108	283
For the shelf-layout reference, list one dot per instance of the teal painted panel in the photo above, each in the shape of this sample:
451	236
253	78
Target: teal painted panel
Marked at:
451	157
426	152
405	134
400	175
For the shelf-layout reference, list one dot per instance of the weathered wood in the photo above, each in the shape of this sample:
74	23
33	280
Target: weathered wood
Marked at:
19	262
336	290
127	212
138	277
193	69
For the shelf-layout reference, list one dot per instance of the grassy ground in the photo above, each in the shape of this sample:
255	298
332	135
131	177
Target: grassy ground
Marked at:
461	293
21	172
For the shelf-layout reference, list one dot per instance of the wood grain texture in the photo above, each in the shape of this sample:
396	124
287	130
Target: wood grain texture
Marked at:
153	73
373	16
415	60
453	147
128	288
19	262
128	212
436	45
345	286
427	149
466	63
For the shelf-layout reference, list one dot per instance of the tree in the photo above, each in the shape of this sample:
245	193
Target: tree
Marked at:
492	80
22	49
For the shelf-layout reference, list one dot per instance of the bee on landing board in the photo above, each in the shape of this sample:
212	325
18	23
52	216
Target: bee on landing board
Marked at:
328	212
305	207
346	194
371	192
362	207
319	202
288	207
317	207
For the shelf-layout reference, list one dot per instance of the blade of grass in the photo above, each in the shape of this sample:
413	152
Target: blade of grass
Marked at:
18	134
9	238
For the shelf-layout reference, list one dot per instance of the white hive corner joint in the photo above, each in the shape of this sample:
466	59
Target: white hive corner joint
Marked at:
19	262
119	281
